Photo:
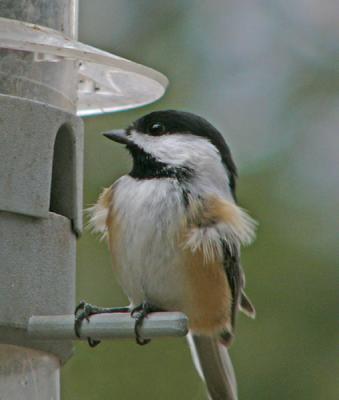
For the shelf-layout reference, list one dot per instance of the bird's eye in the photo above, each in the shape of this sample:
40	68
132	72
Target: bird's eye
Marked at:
156	128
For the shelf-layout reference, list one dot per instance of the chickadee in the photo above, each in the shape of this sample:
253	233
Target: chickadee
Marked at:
174	231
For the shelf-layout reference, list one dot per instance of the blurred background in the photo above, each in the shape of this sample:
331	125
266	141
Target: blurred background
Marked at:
266	74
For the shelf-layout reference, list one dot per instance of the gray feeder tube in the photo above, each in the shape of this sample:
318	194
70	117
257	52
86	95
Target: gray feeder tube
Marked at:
40	200
41	164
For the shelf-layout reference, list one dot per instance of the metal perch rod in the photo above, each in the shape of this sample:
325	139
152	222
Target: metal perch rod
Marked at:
107	326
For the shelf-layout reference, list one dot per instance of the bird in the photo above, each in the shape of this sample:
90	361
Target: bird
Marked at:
174	230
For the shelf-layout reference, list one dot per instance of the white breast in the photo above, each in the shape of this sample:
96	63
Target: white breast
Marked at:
149	214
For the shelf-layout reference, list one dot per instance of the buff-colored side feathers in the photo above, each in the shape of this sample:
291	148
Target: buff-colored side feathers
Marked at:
98	213
214	220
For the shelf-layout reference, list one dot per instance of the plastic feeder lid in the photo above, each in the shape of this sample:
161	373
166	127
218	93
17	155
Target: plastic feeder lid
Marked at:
107	83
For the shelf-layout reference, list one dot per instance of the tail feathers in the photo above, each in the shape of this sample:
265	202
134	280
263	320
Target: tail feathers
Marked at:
246	306
214	365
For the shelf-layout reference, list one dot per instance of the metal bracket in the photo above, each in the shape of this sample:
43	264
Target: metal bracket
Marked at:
107	326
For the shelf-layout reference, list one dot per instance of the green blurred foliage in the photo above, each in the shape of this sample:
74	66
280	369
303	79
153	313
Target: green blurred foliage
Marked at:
289	351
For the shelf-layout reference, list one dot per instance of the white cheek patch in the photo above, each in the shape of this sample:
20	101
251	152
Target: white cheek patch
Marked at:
176	148
189	151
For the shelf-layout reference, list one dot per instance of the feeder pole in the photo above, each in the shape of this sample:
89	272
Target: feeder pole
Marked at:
41	150
44	88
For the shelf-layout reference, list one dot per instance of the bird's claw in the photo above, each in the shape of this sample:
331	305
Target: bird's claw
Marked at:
140	312
84	311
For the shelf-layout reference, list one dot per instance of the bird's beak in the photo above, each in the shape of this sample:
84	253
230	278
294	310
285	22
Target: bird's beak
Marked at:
118	135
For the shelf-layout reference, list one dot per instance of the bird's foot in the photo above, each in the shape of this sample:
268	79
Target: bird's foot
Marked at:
140	312
85	310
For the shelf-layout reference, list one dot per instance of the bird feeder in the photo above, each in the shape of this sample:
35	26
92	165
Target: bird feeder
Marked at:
48	80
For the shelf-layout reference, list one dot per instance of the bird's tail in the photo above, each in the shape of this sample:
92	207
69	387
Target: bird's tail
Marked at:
214	365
